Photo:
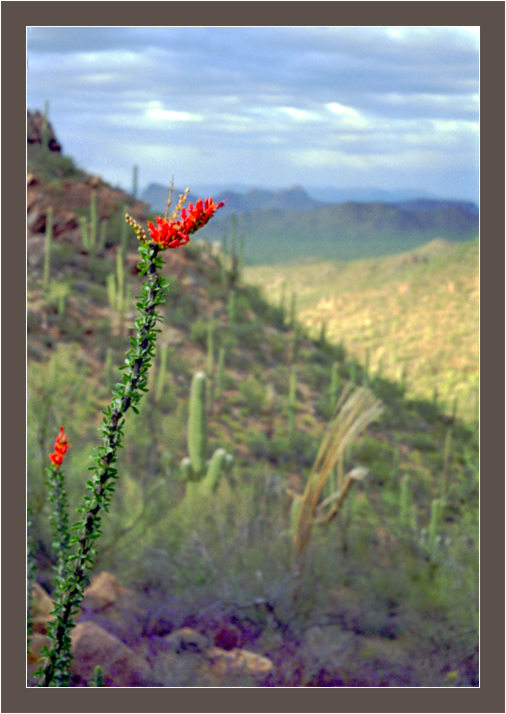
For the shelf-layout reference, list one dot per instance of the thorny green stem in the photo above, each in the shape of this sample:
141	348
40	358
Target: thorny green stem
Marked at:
70	597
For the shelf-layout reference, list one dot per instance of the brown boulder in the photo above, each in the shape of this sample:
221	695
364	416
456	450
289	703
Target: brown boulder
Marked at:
41	603
112	606
226	666
41	606
186	640
121	666
102	592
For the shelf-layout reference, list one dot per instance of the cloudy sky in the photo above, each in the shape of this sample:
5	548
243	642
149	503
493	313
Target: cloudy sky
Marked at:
390	107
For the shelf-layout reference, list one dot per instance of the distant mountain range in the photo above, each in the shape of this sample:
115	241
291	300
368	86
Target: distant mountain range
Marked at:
255	199
241	198
288	223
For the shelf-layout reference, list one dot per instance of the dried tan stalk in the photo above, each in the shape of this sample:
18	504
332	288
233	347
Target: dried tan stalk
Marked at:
354	413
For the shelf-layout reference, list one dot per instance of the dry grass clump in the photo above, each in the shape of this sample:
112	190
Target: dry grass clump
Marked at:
354	413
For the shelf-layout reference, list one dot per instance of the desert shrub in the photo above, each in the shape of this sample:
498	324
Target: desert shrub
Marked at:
254	395
378	456
199	332
51	166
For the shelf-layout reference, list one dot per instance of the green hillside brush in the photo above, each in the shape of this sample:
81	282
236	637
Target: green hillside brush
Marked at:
354	412
76	546
202	476
48	240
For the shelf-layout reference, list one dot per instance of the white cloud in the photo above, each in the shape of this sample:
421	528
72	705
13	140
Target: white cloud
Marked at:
342	110
298	114
157	113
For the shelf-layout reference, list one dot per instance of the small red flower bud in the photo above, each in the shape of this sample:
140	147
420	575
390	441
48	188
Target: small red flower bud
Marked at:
61	446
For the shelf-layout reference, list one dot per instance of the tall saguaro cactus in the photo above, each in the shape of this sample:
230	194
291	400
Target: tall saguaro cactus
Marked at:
93	232
197	425
202	475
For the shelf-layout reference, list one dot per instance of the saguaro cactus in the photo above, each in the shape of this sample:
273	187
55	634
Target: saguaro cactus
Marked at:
197	425
220	378
93	233
119	296
202	476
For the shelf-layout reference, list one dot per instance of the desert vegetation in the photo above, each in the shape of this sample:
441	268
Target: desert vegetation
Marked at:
277	494
412	317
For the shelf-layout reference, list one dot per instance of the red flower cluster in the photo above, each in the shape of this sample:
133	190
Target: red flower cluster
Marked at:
171	234
60	448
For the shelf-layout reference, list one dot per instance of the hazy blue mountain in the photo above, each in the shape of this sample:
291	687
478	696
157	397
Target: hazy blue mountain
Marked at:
255	199
344	231
427	204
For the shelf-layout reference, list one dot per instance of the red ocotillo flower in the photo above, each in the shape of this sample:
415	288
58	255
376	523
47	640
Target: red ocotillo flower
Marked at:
60	448
173	233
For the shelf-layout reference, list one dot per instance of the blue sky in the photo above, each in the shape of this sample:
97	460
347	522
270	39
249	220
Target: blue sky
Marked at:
391	107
